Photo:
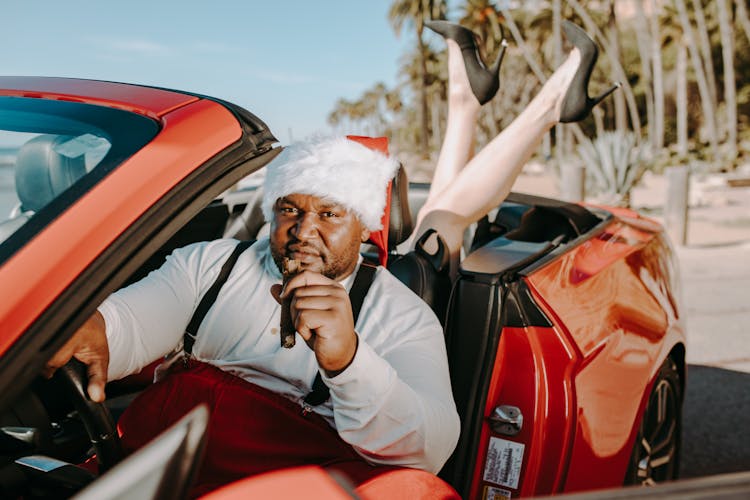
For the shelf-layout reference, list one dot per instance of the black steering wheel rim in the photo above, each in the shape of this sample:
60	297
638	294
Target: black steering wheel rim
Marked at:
96	417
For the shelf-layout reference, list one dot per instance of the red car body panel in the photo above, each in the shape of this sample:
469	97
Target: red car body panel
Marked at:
284	485
579	384
148	101
41	270
317	483
540	356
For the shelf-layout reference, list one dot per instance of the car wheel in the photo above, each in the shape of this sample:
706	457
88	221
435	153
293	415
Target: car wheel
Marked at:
655	456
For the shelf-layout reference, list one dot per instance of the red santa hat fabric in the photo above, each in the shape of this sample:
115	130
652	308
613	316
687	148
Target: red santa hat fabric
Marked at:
336	168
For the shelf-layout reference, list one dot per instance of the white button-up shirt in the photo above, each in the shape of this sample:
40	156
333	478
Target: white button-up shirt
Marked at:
393	403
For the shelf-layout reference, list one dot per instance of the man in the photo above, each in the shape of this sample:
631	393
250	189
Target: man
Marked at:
390	397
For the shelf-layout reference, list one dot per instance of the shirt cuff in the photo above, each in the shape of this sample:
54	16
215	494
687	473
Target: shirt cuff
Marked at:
115	370
366	380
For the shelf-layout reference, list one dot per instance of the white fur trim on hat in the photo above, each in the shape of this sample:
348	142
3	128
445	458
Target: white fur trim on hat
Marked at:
335	168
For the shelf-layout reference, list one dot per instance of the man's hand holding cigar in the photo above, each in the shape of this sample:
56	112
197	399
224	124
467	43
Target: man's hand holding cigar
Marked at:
321	312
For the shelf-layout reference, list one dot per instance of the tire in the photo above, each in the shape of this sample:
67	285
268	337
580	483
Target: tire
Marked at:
655	455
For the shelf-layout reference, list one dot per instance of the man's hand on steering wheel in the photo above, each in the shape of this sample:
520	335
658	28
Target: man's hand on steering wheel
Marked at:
88	345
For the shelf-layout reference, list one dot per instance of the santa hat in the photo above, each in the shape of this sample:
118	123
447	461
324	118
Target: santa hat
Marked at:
335	168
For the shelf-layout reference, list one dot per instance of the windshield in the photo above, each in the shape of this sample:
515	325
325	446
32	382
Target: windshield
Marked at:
52	153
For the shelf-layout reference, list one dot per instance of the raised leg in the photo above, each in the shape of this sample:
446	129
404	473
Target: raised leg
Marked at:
463	110
463	195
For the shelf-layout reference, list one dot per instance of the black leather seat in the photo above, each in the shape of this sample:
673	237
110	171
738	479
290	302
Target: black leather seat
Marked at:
424	273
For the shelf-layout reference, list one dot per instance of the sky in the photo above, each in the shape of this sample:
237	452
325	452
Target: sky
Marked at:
286	61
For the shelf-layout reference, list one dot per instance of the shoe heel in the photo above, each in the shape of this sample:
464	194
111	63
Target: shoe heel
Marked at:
576	104
603	95
495	69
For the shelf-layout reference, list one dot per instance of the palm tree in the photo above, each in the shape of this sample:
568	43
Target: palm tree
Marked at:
560	130
682	101
415	12
621	118
484	19
709	117
730	90
644	49
658	72
617	68
705	45
743	18
411	78
373	111
368	114
534	66
523	46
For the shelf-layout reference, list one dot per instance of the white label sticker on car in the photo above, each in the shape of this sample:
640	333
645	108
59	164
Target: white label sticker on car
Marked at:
503	464
492	493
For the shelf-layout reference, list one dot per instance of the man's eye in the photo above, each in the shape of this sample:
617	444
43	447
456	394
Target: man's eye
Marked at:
288	210
328	214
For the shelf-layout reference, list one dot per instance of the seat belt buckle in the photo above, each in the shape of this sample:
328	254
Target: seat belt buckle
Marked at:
306	409
165	367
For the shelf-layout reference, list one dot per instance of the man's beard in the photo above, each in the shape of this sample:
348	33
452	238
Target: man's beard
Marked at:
279	254
332	267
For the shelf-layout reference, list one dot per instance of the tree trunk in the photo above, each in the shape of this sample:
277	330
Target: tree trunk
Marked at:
521	43
644	47
709	117
705	45
681	101
617	68
557	44
621	113
730	90
598	120
658	75
423	119
743	18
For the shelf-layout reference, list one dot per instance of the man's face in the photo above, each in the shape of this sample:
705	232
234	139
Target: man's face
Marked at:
323	236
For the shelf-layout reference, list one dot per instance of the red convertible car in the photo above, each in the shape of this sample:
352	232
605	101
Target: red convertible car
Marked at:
563	330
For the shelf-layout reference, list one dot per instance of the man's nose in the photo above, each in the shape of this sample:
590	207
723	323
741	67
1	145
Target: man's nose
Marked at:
307	226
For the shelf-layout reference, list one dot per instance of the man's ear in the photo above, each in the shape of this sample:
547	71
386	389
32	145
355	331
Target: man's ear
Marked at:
365	234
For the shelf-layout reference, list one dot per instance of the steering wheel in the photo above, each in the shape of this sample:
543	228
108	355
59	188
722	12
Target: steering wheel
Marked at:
97	419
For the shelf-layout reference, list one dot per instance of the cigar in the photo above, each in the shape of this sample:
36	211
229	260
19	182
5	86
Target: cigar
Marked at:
290	267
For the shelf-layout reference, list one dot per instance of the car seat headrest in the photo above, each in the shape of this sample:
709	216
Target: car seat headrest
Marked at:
42	173
400	222
397	222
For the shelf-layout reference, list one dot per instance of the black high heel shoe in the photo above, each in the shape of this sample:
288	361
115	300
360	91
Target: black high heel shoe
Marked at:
577	104
484	82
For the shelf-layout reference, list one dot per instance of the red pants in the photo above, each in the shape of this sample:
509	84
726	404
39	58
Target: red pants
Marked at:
251	430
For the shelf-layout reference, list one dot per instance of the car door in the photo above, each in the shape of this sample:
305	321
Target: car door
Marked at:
71	253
